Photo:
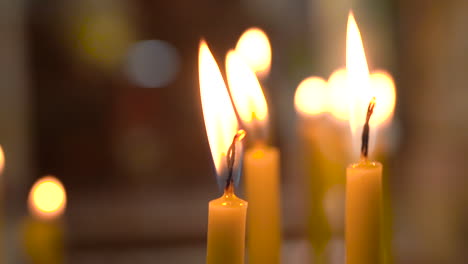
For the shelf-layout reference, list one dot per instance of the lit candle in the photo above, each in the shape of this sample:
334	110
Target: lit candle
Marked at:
226	215
43	231
261	163
364	179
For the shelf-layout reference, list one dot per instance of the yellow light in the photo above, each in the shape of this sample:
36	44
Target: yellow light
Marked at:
255	47
311	96
2	160
384	87
220	119
246	92
47	199
360	93
339	98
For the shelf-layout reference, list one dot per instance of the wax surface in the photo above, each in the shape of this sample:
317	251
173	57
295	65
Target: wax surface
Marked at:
261	165
226	230
43	241
363	213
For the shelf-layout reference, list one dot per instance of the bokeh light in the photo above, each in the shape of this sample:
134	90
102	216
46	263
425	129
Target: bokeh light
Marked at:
384	89
339	97
153	63
102	32
47	199
312	96
255	47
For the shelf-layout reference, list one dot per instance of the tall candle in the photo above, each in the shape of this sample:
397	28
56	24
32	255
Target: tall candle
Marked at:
364	179
261	164
43	230
226	215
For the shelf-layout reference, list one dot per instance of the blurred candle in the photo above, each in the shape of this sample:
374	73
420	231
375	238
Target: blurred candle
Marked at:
226	215
43	230
261	164
364	179
2	204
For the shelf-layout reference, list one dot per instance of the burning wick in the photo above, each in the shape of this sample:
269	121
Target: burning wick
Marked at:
231	156
365	131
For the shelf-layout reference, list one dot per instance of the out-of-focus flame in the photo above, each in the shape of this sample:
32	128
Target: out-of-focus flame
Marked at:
339	102
47	199
2	160
255	47
220	118
246	93
311	96
384	89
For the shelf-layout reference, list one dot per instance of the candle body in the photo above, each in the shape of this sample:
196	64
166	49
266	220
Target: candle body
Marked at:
226	230
43	241
261	165
363	213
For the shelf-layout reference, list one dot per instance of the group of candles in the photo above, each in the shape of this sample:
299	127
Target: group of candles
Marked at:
229	216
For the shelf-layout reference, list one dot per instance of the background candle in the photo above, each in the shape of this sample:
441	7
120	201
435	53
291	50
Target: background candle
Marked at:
226	215
261	164
43	230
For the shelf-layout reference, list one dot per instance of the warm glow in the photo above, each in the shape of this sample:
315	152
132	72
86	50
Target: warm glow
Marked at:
339	102
384	89
2	160
220	119
47	199
246	93
254	46
360	93
312	96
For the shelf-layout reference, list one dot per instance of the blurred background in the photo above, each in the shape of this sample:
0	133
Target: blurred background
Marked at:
104	95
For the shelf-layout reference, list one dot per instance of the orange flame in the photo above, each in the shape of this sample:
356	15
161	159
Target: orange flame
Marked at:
47	199
246	92
255	47
220	119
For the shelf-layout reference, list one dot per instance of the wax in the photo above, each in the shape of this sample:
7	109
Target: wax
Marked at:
226	229
261	165
43	241
363	213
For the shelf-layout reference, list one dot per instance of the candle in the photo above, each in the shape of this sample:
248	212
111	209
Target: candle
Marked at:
226	215
2	211
43	231
261	164
364	179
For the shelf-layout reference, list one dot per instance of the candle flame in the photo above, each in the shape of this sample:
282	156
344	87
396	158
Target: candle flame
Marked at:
2	159
47	199
363	87
311	96
246	93
358	76
255	47
220	118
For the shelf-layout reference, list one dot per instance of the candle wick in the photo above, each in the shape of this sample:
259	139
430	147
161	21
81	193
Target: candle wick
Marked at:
231	156
366	132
